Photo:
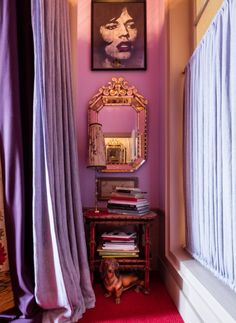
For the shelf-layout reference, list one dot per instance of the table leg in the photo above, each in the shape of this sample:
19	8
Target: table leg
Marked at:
92	250
147	256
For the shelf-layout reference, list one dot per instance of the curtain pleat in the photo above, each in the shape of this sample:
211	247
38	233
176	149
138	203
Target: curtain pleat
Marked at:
12	166
210	147
62	275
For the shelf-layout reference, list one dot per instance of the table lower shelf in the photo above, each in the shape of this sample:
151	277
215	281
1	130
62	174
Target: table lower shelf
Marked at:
142	223
124	264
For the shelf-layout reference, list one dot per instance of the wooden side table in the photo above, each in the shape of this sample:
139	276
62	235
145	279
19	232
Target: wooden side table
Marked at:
104	217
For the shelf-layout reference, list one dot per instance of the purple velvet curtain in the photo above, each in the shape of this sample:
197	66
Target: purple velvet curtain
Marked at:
11	146
44	219
63	284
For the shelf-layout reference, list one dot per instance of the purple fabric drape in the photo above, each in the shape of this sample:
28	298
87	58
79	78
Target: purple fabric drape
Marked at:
62	279
12	164
62	284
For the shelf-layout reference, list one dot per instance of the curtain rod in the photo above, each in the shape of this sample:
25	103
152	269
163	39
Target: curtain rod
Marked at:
196	21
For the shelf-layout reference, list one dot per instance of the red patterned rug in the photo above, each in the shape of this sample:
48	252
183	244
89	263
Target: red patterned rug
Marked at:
6	294
157	307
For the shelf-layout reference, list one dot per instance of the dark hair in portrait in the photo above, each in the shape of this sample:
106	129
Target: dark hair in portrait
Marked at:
118	36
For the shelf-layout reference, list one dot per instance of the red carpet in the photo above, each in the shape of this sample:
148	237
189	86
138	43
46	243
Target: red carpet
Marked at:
134	307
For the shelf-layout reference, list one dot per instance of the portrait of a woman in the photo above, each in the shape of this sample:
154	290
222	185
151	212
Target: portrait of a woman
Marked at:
118	36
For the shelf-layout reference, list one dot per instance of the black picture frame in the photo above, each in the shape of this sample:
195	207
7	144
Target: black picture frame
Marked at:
106	185
128	51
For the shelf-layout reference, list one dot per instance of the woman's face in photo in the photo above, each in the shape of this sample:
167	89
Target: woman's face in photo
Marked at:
120	34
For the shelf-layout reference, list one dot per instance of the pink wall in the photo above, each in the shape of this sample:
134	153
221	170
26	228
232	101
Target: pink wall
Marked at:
150	83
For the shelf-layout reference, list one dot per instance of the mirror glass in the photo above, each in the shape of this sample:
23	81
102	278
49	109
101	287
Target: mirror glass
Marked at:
122	113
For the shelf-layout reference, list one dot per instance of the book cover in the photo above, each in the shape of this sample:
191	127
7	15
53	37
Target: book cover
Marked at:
129	194
118	235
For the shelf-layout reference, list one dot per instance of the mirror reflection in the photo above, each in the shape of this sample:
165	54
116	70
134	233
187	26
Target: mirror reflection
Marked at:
119	130
121	111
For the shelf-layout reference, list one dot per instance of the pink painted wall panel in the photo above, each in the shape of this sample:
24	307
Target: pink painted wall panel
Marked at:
150	83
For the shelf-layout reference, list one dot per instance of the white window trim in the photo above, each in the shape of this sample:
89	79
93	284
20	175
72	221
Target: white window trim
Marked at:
198	294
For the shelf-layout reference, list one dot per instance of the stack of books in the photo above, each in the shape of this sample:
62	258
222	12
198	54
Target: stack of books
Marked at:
126	200
118	245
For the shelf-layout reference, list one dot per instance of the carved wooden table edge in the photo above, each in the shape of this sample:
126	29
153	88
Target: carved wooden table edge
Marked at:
103	214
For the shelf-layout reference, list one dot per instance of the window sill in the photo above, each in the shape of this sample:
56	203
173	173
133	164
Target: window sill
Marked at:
207	295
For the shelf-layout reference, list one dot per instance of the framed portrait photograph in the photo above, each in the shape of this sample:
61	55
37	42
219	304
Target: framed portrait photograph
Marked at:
118	40
106	185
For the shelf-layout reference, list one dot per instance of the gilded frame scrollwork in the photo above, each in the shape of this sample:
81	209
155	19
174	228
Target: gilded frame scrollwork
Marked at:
118	92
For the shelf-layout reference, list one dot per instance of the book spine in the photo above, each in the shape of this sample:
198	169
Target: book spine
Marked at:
116	239
120	244
119	256
128	195
129	212
127	189
128	202
118	248
127	198
126	206
122	254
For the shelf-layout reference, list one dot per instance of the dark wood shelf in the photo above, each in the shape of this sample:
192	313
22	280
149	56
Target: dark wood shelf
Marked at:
142	221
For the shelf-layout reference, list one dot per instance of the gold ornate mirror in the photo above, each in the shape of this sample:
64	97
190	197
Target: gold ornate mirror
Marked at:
122	112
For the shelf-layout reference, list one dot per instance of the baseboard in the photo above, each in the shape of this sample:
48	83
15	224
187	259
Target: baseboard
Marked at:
194	301
174	284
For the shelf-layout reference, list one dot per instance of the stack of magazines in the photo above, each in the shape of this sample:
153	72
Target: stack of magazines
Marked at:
126	200
118	245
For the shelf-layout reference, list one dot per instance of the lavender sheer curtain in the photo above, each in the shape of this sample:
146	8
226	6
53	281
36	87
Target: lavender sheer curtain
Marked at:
62	278
210	147
12	164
